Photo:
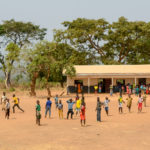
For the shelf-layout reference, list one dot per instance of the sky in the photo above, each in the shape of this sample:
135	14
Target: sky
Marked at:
51	13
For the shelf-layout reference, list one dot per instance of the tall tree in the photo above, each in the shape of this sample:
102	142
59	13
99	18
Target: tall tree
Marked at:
16	35
87	34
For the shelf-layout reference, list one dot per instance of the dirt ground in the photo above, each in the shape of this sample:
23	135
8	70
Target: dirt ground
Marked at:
127	131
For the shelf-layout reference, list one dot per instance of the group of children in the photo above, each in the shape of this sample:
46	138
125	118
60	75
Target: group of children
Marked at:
141	100
80	109
5	102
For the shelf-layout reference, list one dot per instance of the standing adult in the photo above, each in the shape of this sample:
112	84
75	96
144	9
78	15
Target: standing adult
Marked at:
48	107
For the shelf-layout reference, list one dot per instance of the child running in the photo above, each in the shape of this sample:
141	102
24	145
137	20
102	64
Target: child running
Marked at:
120	101
129	102
16	103
38	112
3	101
60	109
140	101
82	114
106	102
7	109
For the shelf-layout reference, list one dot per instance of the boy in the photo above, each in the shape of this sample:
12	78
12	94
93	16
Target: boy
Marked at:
56	101
38	112
129	102
70	108
16	103
48	107
120	101
3	101
7	109
144	100
106	105
78	106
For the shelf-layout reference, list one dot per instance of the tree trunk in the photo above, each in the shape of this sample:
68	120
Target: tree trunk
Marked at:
62	84
8	79
47	85
33	84
48	90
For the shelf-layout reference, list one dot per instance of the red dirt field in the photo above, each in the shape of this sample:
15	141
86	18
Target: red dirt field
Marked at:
127	131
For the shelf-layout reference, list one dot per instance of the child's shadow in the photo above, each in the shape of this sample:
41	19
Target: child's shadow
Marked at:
44	124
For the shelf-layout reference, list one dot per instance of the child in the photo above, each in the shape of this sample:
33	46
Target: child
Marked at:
38	114
140	101
82	114
48	107
56	101
3	101
129	102
137	91
70	108
120	101
98	109
144	100
96	88
78	106
111	90
7	109
16	103
60	109
106	105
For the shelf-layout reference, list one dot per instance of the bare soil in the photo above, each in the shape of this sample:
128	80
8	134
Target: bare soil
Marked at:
127	131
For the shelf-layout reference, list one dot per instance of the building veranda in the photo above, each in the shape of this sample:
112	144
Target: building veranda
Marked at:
89	77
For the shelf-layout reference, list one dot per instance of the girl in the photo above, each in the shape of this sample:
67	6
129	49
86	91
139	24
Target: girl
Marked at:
38	112
82	114
140	101
60	110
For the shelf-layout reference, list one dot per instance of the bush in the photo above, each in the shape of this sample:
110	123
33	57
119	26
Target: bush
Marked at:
11	89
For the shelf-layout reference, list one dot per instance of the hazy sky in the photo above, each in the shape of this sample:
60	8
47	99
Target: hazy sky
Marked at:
50	13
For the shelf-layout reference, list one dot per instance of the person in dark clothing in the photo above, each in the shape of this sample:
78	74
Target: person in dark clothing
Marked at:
98	109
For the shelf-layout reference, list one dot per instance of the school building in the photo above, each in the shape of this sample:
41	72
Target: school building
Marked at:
88	76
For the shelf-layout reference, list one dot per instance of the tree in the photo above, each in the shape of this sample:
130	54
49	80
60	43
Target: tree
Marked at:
124	40
16	35
85	34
